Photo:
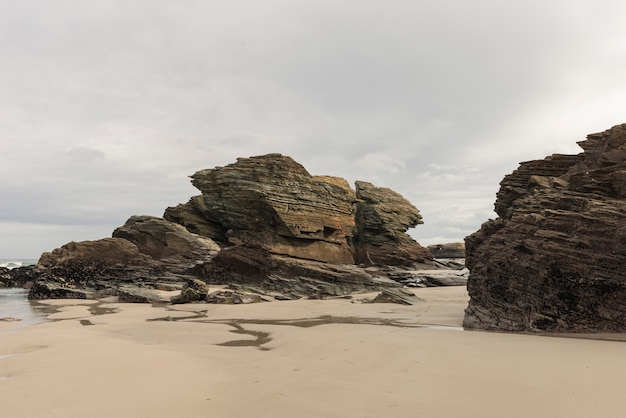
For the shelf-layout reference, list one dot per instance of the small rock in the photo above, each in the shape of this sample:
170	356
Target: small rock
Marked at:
397	295
10	319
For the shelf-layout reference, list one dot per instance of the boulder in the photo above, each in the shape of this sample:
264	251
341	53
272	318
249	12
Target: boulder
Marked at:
553	260
382	219
194	290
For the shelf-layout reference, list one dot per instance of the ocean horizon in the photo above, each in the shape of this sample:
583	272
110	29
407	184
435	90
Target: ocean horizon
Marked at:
12	263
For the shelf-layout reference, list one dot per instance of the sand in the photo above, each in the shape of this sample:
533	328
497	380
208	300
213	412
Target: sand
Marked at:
332	358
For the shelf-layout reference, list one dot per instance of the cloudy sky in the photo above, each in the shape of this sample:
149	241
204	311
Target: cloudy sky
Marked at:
106	107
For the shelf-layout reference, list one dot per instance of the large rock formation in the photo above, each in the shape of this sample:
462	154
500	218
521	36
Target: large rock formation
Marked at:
271	202
263	222
554	259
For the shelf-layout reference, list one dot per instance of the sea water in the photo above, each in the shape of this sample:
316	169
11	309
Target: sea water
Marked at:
14	302
12	263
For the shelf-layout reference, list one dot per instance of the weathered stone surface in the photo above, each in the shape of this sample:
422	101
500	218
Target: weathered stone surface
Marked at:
89	269
194	290
554	259
58	288
161	239
382	218
449	250
233	297
286	275
107	253
397	295
272	202
18	277
193	216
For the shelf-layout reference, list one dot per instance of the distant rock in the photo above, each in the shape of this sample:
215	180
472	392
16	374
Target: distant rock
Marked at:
162	239
554	259
449	250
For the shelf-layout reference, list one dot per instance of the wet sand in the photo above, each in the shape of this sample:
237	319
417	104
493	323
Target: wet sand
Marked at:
331	358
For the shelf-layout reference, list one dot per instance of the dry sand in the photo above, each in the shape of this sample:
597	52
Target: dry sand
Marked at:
330	358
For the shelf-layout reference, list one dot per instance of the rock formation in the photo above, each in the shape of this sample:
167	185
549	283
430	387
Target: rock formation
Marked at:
262	222
382	218
271	202
449	250
554	259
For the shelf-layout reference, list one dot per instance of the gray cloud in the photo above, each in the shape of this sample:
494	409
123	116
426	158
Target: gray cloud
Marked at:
107	107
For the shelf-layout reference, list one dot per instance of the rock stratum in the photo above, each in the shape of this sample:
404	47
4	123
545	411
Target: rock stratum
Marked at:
262	225
553	260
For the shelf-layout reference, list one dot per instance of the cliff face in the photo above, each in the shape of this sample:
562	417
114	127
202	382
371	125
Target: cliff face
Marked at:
554	258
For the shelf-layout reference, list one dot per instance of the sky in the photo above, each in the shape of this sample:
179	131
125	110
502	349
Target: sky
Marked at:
106	107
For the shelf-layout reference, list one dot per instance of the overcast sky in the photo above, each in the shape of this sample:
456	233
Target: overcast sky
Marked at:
106	107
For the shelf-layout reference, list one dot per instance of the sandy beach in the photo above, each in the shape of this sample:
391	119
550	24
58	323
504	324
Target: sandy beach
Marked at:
308	358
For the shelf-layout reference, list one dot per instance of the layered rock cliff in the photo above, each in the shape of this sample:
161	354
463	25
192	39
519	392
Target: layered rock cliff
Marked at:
262	221
554	259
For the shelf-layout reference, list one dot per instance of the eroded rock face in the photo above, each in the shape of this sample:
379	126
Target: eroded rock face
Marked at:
272	202
382	218
554	259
